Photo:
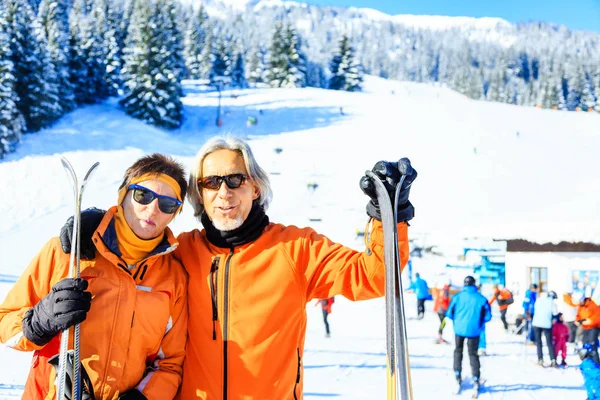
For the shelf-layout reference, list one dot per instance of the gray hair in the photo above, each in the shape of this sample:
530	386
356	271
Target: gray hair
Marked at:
258	175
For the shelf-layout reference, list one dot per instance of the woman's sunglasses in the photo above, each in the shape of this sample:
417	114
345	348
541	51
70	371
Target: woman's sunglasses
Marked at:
145	196
213	182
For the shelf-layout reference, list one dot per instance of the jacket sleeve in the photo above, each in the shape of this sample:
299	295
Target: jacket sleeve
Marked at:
488	312
35	283
331	269
451	308
164	378
568	299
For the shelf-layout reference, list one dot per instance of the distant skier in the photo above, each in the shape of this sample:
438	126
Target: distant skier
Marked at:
326	308
469	310
520	323
528	309
441	301
419	286
560	334
590	371
588	316
545	310
504	298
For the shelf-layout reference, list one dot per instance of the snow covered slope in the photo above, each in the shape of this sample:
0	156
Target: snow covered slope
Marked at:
485	169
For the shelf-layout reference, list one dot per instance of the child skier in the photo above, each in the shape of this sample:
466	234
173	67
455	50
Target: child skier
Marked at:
560	335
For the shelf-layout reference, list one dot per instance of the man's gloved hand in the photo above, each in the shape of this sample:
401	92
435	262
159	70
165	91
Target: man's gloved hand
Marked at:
390	174
132	394
86	387
67	304
90	220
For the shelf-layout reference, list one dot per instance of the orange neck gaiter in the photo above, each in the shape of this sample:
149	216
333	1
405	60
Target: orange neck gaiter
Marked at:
133	249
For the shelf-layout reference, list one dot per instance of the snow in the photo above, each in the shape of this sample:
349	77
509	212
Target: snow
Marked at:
487	28
541	185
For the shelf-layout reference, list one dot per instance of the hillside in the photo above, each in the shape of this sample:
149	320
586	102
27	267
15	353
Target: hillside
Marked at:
485	169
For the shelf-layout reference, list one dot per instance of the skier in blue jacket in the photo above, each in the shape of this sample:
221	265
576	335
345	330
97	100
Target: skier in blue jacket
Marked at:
590	371
528	309
421	289
469	311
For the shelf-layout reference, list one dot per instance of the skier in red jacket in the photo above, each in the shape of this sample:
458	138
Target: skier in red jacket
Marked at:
326	308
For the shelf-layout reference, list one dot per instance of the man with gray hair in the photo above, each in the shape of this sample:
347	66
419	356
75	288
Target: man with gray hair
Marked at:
250	279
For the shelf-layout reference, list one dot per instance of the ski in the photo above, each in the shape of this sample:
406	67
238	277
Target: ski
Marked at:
458	389
74	272
398	382
476	392
477	389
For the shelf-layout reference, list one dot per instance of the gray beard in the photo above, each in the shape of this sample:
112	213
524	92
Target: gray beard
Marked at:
228	224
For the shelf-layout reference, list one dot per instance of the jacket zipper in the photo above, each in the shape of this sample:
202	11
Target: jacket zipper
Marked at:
214	284
298	374
225	322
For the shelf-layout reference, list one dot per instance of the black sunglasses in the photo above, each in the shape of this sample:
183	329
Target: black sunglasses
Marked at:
145	196
213	182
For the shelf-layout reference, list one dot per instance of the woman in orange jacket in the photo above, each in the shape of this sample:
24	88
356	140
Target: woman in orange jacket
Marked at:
251	279
588	316
130	300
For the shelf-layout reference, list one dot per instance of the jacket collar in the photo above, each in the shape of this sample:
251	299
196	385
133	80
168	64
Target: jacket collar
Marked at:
106	241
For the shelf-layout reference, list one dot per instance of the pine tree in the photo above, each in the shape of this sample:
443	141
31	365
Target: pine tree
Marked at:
175	46
89	51
588	100
286	64
346	73
99	49
114	41
12	123
315	75
36	85
222	64
256	64
297	59
152	85
54	19
207	57
79	39
238	73
195	37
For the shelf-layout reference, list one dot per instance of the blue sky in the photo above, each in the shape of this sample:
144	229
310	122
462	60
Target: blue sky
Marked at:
579	14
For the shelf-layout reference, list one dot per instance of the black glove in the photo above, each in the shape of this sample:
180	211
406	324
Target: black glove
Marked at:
133	394
67	304
87	389
90	220
390	174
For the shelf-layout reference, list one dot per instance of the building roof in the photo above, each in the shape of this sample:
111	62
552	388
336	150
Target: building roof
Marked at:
521	245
